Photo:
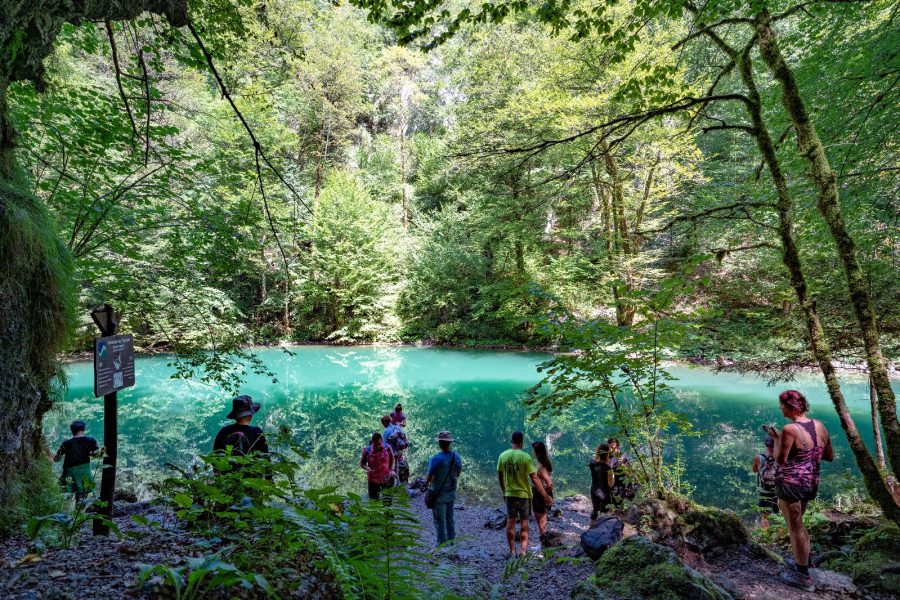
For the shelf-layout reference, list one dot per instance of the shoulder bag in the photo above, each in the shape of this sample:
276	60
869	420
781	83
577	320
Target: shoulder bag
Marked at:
432	496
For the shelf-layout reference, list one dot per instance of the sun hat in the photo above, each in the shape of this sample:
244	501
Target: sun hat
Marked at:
243	406
445	436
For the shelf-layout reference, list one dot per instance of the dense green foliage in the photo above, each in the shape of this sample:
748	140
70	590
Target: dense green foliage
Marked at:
424	199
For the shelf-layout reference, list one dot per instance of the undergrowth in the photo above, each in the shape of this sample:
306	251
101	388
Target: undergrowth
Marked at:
35	492
271	537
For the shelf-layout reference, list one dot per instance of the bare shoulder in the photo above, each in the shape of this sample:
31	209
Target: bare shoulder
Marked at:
820	427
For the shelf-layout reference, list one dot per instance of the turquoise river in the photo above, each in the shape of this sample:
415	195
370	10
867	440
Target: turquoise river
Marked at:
331	398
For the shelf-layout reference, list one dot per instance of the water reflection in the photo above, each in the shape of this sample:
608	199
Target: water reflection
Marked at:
333	398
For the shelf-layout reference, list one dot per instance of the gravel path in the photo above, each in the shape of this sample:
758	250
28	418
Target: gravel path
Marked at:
483	550
104	569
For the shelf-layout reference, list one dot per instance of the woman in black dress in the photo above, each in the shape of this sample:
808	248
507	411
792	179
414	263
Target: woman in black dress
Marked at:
602	481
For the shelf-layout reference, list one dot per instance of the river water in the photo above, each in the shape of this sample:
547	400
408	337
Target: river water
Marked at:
333	397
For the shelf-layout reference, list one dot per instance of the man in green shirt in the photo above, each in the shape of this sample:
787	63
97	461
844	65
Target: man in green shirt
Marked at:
516	473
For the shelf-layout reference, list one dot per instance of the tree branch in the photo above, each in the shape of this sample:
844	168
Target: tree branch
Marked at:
115	58
256	145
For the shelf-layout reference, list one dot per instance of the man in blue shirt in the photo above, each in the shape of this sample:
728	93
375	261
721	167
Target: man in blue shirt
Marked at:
443	473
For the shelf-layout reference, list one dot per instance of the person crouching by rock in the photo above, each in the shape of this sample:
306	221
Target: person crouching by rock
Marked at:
517	474
378	463
764	467
76	453
800	447
443	474
603	479
242	437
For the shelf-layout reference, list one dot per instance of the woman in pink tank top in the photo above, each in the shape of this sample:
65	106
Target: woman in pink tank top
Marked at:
800	448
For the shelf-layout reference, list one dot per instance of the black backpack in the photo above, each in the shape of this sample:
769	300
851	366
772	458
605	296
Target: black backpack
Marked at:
239	442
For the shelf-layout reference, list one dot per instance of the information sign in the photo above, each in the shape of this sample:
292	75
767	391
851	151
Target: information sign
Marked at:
113	363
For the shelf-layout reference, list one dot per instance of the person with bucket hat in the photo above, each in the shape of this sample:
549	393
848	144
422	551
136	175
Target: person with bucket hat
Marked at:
443	474
241	436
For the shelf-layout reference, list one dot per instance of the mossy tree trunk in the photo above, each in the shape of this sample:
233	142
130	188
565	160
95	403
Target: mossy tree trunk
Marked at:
621	239
873	478
35	268
828	202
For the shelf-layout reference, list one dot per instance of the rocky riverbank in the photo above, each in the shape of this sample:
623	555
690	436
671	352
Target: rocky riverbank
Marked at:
687	551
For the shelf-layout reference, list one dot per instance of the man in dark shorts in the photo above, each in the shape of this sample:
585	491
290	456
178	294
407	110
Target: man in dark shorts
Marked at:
516	473
241	436
800	447
77	452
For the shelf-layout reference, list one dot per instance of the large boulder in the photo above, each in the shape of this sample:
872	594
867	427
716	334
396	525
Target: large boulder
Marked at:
605	533
652	517
639	568
711	530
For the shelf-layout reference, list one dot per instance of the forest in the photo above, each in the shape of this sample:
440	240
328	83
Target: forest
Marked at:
638	181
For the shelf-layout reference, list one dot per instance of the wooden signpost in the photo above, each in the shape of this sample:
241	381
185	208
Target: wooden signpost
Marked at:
113	371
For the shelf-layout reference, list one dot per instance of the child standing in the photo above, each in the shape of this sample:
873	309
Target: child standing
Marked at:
77	452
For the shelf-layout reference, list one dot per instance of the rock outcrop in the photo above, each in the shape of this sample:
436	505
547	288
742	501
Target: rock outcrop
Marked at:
639	568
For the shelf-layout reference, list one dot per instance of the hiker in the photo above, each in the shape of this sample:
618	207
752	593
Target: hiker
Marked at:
516	473
77	451
378	463
398	417
617	458
800	447
443	473
764	466
618	462
544	470
602	481
394	436
241	436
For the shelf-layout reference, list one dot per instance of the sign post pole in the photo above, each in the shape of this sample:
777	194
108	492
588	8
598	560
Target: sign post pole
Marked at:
108	322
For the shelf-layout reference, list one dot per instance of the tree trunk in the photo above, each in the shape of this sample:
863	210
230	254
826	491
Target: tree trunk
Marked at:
872	476
404	192
876	429
287	303
520	258
642	209
828	203
621	240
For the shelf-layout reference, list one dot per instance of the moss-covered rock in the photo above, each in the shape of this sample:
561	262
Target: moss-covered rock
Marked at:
35	303
875	561
588	590
653	518
711	530
640	568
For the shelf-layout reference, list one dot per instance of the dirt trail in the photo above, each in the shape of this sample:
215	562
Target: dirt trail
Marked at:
107	569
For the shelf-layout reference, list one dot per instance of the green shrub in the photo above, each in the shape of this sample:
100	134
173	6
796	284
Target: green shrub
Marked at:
35	492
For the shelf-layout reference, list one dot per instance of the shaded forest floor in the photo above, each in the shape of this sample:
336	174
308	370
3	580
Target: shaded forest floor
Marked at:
108	568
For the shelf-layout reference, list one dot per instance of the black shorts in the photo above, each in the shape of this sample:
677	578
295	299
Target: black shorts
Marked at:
518	508
795	493
537	503
599	504
375	490
768	504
